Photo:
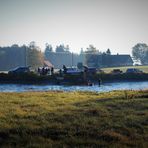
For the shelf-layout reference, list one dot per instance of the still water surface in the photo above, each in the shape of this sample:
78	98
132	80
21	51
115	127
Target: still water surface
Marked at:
103	88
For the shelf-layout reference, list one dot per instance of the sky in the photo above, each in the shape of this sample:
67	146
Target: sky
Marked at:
114	24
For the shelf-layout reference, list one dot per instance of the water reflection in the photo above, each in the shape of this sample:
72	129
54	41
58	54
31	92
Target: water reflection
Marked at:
104	88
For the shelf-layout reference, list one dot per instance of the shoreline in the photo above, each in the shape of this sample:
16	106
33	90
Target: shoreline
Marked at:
71	80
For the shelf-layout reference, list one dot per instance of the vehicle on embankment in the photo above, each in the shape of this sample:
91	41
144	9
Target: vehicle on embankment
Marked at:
72	77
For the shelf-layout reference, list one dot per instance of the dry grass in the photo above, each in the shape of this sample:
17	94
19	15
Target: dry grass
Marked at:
143	68
74	119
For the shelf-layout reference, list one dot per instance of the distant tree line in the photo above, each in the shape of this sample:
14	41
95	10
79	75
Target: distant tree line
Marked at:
31	55
14	56
63	56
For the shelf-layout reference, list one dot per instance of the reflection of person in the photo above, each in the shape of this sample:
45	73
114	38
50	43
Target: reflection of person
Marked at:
52	70
60	72
99	82
65	69
43	71
85	74
89	83
39	70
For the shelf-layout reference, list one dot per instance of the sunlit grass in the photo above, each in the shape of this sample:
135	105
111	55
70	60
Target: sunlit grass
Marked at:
74	119
143	68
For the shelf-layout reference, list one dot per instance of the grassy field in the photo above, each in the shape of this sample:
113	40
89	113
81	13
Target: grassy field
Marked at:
74	119
143	68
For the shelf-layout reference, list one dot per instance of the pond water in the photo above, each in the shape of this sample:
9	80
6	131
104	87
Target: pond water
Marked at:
103	88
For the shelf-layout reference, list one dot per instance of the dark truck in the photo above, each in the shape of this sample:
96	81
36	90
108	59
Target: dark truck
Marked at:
19	70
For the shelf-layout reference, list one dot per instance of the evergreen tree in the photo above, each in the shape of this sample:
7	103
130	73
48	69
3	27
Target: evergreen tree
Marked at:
48	50
108	52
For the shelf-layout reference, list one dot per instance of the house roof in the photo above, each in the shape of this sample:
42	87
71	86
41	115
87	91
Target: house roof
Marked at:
109	60
118	59
47	63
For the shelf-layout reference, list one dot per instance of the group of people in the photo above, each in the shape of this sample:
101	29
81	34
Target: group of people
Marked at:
45	70
50	71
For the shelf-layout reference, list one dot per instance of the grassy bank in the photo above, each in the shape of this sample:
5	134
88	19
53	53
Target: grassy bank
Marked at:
68	79
143	68
75	119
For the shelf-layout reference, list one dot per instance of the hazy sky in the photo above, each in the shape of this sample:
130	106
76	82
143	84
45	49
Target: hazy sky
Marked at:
114	24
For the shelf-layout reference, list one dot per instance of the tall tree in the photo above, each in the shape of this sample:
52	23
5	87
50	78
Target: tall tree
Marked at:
34	56
91	56
140	52
108	52
32	44
60	48
48	50
67	49
91	49
48	47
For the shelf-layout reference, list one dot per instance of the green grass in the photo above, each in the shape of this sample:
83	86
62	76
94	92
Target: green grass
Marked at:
3	71
74	119
143	68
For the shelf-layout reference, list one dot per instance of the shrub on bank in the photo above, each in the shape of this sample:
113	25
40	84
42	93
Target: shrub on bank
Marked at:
25	78
69	78
123	77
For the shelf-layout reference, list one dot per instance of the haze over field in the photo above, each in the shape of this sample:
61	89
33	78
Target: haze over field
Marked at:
114	24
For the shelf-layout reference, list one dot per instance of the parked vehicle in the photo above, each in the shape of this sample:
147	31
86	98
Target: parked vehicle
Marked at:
100	71
92	70
133	70
73	71
19	70
116	71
